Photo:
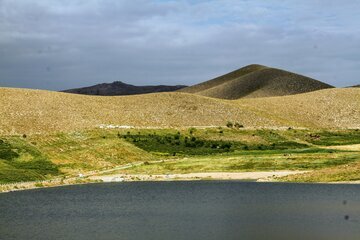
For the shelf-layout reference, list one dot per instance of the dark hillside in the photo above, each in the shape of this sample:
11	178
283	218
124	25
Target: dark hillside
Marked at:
119	88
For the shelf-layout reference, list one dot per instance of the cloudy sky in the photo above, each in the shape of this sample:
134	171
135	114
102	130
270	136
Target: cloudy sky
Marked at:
63	44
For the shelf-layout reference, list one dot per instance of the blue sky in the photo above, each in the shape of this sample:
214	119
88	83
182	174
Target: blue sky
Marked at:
63	44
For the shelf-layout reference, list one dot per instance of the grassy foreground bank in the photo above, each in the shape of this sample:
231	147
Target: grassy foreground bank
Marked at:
325	153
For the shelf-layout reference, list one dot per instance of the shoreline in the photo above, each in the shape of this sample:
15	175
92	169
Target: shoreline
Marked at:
260	177
265	176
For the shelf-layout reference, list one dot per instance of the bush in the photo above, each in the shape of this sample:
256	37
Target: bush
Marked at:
229	124
238	125
7	151
221	130
225	146
192	130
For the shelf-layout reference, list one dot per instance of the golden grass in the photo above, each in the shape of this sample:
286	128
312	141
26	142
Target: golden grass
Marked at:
348	172
329	108
86	151
35	111
24	111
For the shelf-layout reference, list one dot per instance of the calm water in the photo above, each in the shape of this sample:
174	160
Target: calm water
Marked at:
183	210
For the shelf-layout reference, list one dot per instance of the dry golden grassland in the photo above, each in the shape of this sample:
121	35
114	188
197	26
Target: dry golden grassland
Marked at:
25	111
329	108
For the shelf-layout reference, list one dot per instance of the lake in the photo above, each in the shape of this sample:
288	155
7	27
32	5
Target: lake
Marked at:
183	210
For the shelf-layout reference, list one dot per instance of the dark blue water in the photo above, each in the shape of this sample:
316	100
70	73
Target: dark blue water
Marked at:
183	210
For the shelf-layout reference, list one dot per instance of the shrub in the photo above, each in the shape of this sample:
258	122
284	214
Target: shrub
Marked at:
229	124
39	185
225	146
238	125
214	145
6	151
221	130
199	143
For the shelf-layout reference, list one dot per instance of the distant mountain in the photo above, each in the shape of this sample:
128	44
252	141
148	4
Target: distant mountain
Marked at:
254	81
356	86
120	88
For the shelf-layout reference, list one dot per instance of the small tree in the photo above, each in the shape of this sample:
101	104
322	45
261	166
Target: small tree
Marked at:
238	125
221	131
192	130
229	124
177	136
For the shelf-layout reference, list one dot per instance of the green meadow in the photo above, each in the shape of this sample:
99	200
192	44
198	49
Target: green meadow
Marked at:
325	153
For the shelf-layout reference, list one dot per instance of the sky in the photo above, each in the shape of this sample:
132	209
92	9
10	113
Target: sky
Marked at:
57	45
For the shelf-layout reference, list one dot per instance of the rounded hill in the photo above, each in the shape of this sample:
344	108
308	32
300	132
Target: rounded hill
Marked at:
255	81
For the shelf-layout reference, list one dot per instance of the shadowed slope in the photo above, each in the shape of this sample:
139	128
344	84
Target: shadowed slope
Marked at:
222	79
119	88
255	81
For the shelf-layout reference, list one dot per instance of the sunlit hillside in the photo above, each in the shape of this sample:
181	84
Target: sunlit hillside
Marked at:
36	111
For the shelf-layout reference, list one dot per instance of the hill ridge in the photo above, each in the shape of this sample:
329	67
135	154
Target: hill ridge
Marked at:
222	79
119	88
256	81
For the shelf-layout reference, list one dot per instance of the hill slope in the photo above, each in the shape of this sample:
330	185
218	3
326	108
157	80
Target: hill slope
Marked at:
328	108
119	88
222	79
256	81
25	111
30	111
